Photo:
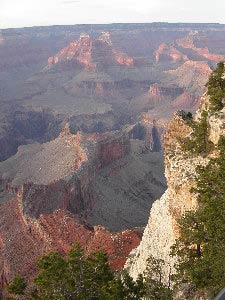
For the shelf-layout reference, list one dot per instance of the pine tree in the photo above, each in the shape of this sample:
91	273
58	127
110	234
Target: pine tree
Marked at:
198	143
155	288
216	88
79	277
17	287
201	245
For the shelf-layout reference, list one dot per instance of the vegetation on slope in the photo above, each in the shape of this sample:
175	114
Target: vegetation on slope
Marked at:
198	142
81	277
216	88
201	246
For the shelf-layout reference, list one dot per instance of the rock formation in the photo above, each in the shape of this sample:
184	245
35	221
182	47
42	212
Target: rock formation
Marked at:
188	42
192	74
24	240
180	169
70	190
169	53
100	77
90	53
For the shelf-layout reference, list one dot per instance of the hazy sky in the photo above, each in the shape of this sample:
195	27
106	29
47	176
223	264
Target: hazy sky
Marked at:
20	13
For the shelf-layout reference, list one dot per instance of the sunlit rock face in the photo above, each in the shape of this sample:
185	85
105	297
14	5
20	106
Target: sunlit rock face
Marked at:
192	74
180	170
90	53
169	53
190	41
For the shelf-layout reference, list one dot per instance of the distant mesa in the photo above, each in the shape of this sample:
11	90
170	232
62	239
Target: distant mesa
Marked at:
200	67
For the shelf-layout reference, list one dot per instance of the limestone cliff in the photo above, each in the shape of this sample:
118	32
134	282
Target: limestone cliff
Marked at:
180	170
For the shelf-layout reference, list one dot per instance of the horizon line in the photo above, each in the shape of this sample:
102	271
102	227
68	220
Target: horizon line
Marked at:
115	23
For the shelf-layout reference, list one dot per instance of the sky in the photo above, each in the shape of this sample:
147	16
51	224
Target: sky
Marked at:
24	13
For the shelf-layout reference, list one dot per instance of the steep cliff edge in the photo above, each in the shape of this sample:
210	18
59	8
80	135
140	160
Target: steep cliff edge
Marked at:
162	229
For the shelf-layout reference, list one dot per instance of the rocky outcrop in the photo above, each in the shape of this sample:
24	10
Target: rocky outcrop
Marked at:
155	130
24	240
169	53
78	51
180	169
90	53
188	42
156	92
68	173
186	101
192	74
55	199
61	171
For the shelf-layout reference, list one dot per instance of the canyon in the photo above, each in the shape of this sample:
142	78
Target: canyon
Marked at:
84	111
100	77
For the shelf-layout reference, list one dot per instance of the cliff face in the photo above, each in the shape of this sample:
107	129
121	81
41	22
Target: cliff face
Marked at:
81	173
58	174
49	201
162	230
70	190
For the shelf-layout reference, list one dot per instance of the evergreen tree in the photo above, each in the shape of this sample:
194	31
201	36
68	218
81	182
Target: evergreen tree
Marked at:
216	88
201	246
123	287
79	277
155	288
198	143
17	287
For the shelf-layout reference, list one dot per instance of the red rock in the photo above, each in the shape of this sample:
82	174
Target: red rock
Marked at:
24	240
188	42
88	53
169	53
155	91
79	50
